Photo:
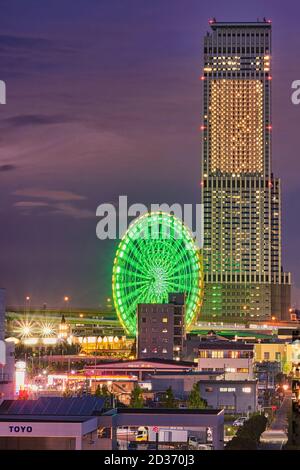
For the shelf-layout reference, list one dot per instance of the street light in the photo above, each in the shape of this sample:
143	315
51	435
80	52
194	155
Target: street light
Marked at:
27	304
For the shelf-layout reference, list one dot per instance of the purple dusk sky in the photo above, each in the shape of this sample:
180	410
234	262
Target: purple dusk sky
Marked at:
103	99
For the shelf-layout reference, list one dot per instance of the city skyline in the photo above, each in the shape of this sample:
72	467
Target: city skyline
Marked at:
81	114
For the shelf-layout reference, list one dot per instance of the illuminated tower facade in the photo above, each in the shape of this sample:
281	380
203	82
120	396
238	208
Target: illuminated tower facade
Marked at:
242	200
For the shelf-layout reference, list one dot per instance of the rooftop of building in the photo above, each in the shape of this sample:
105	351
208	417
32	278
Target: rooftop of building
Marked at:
185	373
161	411
150	361
222	345
55	409
264	23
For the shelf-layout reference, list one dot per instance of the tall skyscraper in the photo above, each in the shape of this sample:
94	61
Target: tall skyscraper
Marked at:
242	199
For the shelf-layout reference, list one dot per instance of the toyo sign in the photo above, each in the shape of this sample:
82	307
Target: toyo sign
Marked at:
20	429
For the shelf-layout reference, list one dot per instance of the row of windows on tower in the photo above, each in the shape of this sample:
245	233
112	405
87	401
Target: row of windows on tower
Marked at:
228	34
236	50
237	183
228	74
240	278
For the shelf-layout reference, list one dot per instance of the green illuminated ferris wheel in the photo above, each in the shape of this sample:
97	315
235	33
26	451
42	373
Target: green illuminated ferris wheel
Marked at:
156	256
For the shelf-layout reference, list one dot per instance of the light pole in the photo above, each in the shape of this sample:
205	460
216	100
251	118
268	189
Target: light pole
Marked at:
67	302
27	305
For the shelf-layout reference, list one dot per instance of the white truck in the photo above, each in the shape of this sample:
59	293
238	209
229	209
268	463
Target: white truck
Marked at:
149	434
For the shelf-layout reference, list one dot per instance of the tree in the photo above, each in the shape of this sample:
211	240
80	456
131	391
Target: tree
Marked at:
195	401
168	399
248	435
103	392
253	427
286	367
241	443
136	397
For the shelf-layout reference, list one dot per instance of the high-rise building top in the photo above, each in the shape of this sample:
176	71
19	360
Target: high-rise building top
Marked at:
237	127
242	199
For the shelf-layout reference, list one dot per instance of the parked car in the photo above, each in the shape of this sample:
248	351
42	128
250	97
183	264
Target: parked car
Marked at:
196	444
240	421
193	442
204	447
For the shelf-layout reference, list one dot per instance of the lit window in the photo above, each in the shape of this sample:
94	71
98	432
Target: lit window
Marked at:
234	354
246	389
227	389
217	354
165	320
230	369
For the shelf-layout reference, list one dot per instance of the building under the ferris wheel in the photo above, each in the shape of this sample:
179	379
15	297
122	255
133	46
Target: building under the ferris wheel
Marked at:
157	256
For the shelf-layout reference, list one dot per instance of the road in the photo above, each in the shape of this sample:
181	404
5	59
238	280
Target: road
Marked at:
281	421
276	435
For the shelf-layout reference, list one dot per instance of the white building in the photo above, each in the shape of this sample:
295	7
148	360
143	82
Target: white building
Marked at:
231	358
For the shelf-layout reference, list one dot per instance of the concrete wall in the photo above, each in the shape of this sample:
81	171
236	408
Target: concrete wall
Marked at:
37	443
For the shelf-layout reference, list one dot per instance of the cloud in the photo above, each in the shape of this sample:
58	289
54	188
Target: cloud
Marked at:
7	167
50	194
30	204
72	211
10	41
24	120
21	55
61	208
55	202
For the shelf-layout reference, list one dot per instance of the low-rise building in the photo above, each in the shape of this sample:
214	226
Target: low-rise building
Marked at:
141	368
58	423
234	396
161	329
181	382
234	359
279	351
